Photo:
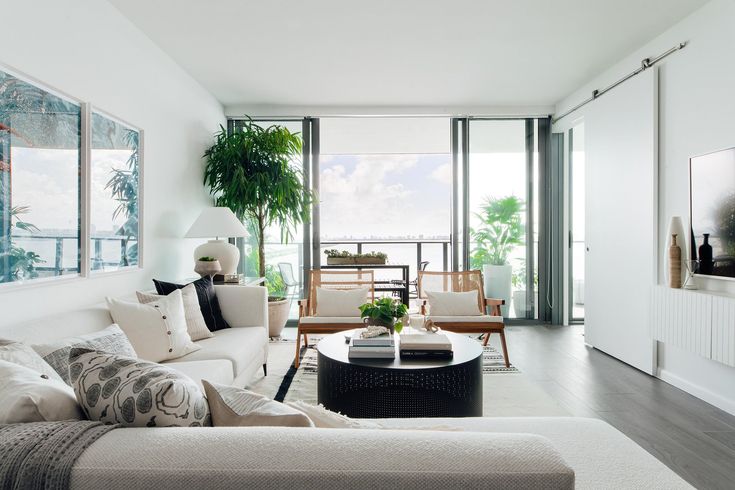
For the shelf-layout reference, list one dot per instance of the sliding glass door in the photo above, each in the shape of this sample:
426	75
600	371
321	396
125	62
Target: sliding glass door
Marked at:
576	222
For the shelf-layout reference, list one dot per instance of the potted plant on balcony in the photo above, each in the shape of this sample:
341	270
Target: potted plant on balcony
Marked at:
251	172
386	312
336	257
500	232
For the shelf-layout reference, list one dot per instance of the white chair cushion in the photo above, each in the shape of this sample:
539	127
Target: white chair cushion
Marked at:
239	346
157	330
453	304
340	302
331	319
466	319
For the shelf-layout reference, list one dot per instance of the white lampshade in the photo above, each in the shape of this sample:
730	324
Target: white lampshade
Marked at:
217	222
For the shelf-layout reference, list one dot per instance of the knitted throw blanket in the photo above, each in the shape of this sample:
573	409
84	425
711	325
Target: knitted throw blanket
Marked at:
40	455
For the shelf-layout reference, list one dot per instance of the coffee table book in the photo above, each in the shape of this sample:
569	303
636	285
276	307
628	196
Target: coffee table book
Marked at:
385	340
386	352
425	342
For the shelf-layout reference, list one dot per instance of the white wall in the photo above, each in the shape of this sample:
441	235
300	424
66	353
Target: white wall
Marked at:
696	115
87	49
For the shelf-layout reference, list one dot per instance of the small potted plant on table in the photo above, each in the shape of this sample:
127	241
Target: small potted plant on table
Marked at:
207	266
385	312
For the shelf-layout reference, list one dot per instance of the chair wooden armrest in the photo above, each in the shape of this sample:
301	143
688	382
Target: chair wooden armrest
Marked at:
494	305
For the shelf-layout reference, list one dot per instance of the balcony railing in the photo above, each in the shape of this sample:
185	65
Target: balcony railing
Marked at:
369	245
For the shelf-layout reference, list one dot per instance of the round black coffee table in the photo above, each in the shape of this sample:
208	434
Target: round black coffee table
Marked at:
383	388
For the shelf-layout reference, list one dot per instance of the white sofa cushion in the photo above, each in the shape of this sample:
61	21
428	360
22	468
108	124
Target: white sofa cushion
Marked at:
453	304
135	393
340	302
157	330
195	324
217	370
466	319
29	396
238	407
236	345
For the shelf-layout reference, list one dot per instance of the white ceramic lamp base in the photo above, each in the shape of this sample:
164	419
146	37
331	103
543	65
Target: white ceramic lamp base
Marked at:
227	254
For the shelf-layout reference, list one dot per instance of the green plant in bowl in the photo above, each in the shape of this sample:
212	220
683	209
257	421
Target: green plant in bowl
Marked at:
386	312
207	258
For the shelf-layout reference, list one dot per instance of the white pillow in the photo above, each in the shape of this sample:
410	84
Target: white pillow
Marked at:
195	324
23	354
340	302
237	407
29	396
453	304
157	330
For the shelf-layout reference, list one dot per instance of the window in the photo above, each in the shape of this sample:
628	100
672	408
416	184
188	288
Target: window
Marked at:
40	139
114	196
47	151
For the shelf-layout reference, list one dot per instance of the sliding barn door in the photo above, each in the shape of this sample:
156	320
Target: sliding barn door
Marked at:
621	220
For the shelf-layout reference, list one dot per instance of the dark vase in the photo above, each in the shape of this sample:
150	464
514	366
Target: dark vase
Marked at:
706	264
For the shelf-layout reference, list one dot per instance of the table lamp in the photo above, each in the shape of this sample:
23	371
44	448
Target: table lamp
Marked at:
218	222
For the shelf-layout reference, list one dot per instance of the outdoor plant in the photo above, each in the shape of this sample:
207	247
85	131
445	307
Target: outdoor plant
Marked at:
518	279
21	263
333	253
501	231
250	172
123	185
385	311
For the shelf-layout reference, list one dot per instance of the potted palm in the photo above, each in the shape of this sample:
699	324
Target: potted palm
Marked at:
501	230
251	172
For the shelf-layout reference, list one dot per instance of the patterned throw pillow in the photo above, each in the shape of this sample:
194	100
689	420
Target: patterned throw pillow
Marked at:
110	339
207	300
23	354
135	393
195	324
238	407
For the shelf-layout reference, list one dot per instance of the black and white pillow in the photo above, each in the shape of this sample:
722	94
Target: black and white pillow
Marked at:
207	300
135	393
111	339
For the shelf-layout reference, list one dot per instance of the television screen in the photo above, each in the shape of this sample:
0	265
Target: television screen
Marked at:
712	212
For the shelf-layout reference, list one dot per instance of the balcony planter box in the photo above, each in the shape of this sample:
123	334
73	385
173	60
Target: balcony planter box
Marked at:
369	260
340	260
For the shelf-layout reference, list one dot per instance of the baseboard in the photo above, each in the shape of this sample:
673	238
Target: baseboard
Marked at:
718	401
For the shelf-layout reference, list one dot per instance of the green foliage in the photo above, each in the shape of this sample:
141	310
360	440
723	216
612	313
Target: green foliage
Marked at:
518	279
501	231
21	263
250	172
385	311
344	254
207	258
274	283
123	185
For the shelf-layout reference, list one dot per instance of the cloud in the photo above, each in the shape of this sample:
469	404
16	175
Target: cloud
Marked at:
443	174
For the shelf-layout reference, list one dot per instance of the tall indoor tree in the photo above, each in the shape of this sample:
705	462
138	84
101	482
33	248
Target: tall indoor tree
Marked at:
250	171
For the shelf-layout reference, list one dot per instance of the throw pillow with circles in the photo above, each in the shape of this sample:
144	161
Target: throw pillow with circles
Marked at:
156	330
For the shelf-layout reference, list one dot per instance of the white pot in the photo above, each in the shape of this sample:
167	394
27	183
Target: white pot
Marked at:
519	303
498	284
277	316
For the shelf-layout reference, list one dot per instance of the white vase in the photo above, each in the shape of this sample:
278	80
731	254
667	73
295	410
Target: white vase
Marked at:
227	254
498	284
682	239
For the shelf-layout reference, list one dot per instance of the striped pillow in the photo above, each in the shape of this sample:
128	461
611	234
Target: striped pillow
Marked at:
195	323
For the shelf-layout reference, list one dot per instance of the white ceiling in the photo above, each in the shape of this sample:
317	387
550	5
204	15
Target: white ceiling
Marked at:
421	53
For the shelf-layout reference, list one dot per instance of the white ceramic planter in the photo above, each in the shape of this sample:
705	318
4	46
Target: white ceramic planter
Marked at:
498	284
277	316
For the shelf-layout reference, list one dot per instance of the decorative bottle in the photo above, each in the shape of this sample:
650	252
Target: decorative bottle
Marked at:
674	263
706	264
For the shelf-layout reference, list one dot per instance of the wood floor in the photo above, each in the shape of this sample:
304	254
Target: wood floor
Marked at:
690	436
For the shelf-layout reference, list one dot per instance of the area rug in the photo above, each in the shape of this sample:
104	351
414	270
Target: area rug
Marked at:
506	391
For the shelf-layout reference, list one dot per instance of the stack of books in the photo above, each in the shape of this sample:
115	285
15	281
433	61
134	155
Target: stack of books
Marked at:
381	347
426	346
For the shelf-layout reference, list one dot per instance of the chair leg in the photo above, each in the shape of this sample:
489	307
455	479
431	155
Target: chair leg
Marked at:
487	337
306	341
265	369
505	348
298	349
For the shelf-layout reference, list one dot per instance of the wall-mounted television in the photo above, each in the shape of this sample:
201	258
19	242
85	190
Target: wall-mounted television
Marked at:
712	212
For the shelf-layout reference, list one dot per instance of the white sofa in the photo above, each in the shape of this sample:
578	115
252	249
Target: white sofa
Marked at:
232	356
507	453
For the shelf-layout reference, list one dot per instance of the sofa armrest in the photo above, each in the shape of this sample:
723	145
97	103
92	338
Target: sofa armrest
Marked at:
253	457
243	306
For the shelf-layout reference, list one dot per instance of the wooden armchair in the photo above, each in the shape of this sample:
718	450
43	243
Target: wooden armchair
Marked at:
310	321
459	282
